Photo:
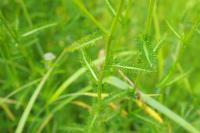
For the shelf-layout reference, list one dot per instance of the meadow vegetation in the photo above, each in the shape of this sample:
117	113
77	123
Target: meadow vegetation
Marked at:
100	66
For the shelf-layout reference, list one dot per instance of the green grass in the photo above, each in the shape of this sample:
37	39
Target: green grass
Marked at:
100	66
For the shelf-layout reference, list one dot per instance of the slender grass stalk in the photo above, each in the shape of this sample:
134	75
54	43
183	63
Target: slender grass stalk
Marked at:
92	123
108	49
147	54
156	23
170	114
180	50
61	103
159	44
173	30
65	84
194	28
107	61
8	112
68	100
110	7
28	18
89	67
108	3
6	53
131	68
20	89
38	29
158	106
75	46
89	15
15	37
11	32
110	37
151	7
181	76
74	77
145	38
186	79
35	95
45	122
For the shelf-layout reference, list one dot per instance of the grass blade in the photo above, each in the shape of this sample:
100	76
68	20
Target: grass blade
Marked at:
33	98
88	66
151	6
31	102
114	13
161	108
131	68
173	30
89	15
66	83
70	80
38	29
170	114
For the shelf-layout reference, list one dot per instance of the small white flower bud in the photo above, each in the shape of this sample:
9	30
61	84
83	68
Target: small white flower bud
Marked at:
49	56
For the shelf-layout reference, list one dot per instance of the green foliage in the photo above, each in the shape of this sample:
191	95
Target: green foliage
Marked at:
146	48
99	66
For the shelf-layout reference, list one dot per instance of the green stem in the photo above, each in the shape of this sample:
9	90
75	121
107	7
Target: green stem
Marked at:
108	53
